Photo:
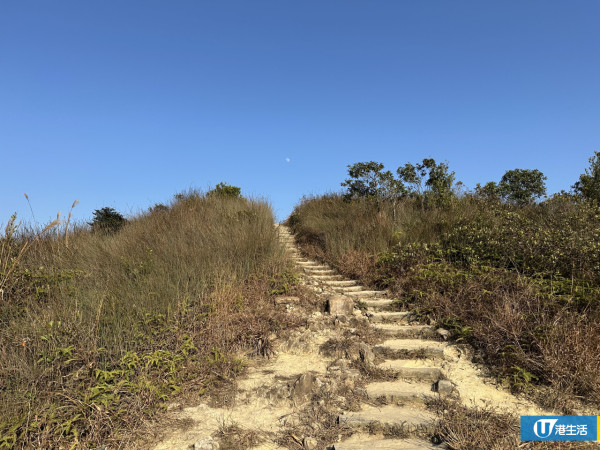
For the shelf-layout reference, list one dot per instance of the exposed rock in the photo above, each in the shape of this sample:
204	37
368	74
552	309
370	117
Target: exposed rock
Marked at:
206	443
305	386
310	443
290	420
366	354
444	387
340	305
445	334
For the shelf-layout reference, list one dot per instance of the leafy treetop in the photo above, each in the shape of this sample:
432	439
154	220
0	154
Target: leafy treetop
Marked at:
367	179
588	185
428	181
522	186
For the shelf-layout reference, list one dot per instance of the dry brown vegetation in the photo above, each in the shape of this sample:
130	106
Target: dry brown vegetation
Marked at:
466	428
98	337
518	283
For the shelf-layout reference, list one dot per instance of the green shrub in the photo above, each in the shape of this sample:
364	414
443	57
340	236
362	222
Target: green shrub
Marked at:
107	220
225	190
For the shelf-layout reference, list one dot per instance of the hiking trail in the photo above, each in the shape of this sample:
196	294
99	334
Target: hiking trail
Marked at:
312	394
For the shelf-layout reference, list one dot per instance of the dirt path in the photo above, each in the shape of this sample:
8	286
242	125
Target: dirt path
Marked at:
358	377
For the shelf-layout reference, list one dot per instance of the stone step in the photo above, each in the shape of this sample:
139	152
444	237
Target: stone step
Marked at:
378	304
343	283
410	348
327	277
386	444
312	270
310	263
415	369
347	289
389	316
400	391
315	268
400	419
404	331
362	294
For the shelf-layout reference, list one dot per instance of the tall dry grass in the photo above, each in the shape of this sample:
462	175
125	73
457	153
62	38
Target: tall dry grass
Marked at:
97	335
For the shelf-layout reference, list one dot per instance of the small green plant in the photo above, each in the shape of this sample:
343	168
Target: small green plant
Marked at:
283	283
460	332
521	379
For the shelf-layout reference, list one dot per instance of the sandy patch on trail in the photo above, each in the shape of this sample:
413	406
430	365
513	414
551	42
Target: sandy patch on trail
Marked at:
257	406
477	390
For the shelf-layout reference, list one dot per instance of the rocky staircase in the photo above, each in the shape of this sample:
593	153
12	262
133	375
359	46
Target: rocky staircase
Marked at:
411	352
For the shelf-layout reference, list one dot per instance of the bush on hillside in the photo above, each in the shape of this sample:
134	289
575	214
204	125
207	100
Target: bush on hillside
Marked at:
225	190
107	220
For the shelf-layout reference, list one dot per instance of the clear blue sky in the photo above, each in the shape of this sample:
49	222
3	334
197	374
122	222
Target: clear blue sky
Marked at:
124	103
